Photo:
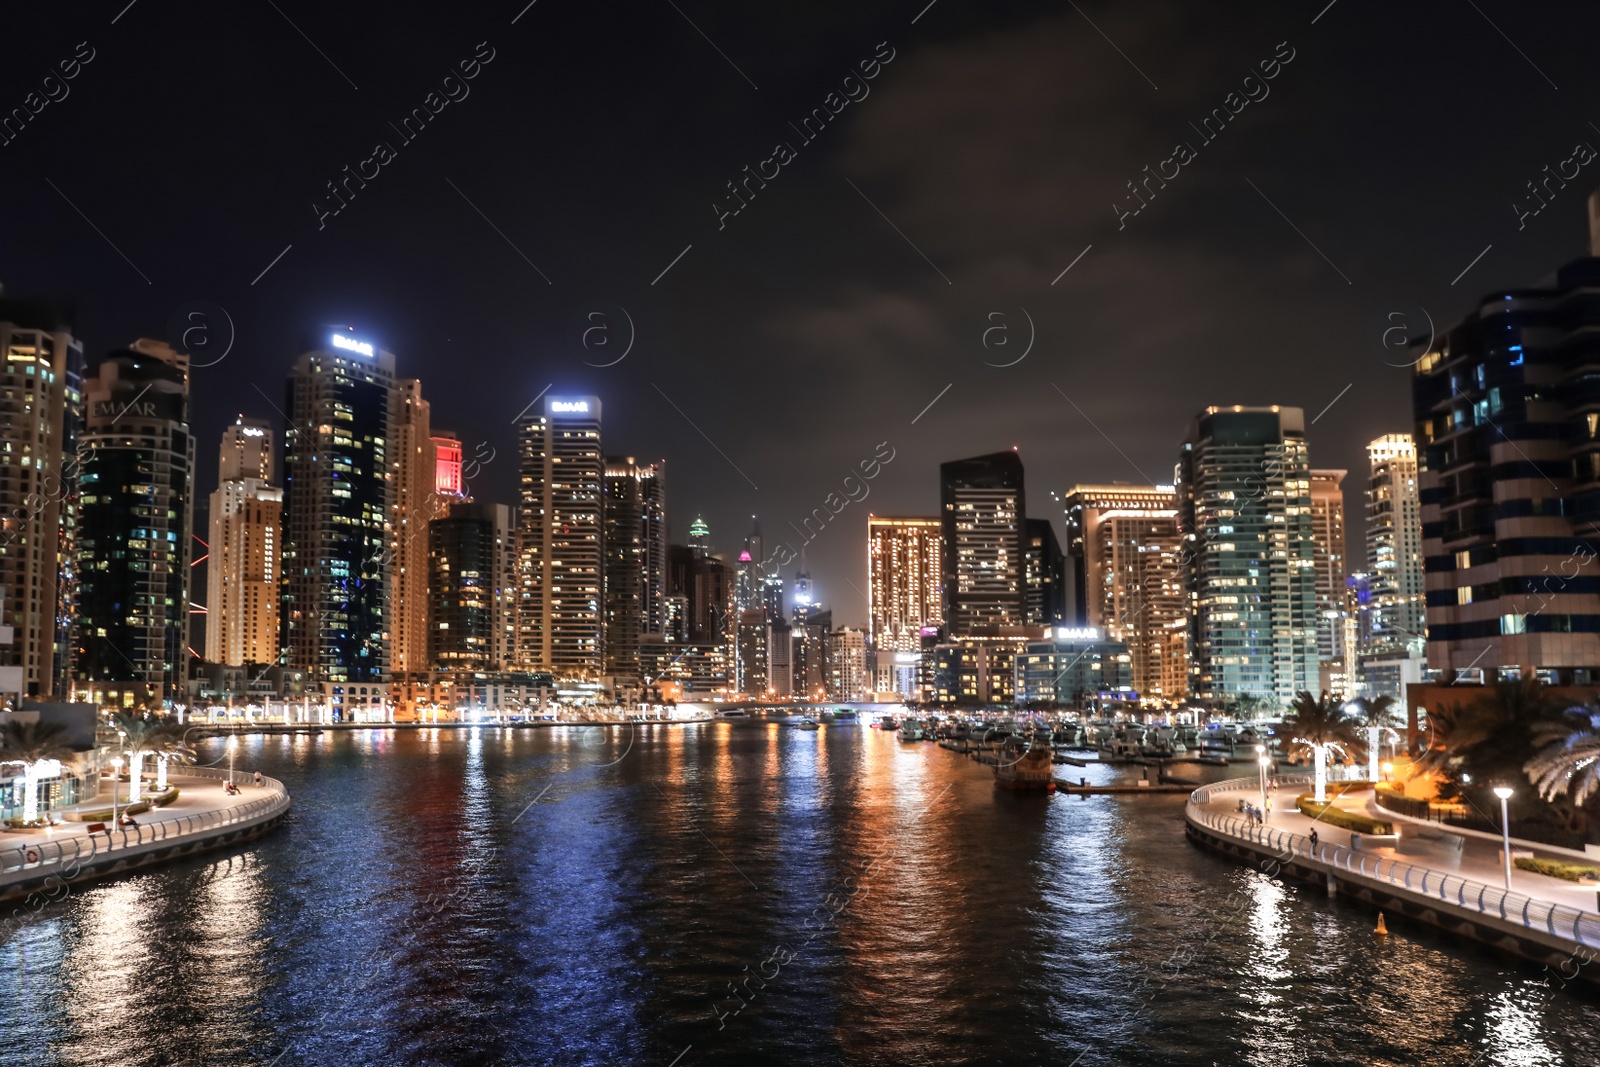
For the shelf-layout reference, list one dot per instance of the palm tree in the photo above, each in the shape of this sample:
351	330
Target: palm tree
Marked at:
1377	715
141	737
170	746
33	744
1490	740
1453	730
1319	728
1568	759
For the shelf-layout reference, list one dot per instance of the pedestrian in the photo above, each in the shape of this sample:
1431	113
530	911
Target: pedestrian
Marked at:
1313	839
259	780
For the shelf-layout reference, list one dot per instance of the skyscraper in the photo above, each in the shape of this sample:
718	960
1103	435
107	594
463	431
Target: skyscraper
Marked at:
905	581
414	481
983	512
338	501
137	478
41	417
560	624
1509	441
1328	550
1244	492
1127	558
246	540
1045	572
706	586
472	588
448	484
1394	547
635	561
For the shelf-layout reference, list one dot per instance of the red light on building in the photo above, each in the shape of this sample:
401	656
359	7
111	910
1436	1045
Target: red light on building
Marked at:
447	466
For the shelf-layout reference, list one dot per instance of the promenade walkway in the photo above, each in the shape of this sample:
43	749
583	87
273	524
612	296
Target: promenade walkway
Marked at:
196	796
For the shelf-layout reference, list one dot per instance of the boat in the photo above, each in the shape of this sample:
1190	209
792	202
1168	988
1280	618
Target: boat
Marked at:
911	730
733	713
1120	750
808	723
1024	768
846	715
884	722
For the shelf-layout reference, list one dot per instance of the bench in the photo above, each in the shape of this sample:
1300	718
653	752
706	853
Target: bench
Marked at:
95	827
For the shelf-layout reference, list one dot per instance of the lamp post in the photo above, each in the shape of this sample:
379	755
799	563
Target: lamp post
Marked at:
1262	760
116	773
233	745
1504	793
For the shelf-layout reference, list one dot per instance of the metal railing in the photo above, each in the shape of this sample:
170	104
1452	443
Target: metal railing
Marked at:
1425	883
85	848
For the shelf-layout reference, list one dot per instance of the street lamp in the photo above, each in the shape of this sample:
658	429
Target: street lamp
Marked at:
1388	771
116	773
233	745
1504	793
1263	761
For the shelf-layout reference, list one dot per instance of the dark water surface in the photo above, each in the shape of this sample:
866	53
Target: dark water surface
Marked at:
580	896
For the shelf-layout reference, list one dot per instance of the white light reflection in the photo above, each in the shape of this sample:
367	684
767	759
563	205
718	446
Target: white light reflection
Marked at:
1266	981
1511	1029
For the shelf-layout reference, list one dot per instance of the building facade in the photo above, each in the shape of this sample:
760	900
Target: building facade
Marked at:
1045	575
1074	667
1127	557
1394	547
1244	499
41	418
338	501
634	516
983	543
414	481
561	616
847	664
905	580
1328	551
137	482
243	572
472	589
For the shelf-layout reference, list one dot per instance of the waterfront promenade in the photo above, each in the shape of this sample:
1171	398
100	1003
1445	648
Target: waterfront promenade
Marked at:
1445	880
204	816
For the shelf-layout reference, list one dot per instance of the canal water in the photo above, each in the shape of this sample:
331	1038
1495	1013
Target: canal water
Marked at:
736	894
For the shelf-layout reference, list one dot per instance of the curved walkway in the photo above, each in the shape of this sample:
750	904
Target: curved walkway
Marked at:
1433	880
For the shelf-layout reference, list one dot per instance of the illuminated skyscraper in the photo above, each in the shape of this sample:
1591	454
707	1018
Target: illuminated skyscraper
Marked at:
635	560
1045	575
473	588
983	542
448	485
560	624
905	581
414	478
1126	555
137	478
41	418
1327	532
338	502
1398	614
1244	498
246	540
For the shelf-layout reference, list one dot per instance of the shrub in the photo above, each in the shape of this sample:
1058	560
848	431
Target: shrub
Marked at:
1346	820
1572	872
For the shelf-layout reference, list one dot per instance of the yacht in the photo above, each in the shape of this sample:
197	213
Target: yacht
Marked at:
808	723
911	730
733	713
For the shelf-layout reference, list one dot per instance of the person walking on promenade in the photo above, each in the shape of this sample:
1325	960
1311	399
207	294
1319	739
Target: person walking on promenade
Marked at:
1313	840
259	780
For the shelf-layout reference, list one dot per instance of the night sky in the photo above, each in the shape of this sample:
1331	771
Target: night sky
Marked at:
990	147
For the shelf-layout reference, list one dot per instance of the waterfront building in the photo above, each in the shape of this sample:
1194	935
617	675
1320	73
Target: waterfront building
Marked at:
1127	558
1394	547
243	573
905	580
751	636
812	670
41	418
449	484
416	503
1328	553
1507	408
472	598
1045	575
682	672
1074	667
635	561
700	535
982	541
1244	497
780	658
338	502
704	585
137	482
561	616
847	664
974	673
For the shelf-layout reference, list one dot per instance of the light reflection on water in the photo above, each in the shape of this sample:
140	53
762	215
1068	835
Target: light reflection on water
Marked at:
603	895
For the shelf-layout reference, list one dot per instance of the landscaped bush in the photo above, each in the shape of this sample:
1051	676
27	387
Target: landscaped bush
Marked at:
1346	820
1572	872
138	808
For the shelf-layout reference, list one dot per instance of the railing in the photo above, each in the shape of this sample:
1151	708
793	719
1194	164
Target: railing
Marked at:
1423	882
152	830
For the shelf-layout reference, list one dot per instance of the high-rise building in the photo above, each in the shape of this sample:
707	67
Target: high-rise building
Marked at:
847	663
1508	432
983	542
1075	667
705	584
905	581
1127	558
472	582
1328	551
700	534
338	501
1244	494
1394	547
1045	574
41	417
750	668
449	486
561	617
244	576
137	480
416	503
635	560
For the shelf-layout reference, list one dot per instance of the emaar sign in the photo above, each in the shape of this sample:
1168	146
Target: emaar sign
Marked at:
350	344
569	407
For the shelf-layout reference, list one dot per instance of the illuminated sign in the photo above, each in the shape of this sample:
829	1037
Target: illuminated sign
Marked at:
252	431
1077	633
350	344
570	406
